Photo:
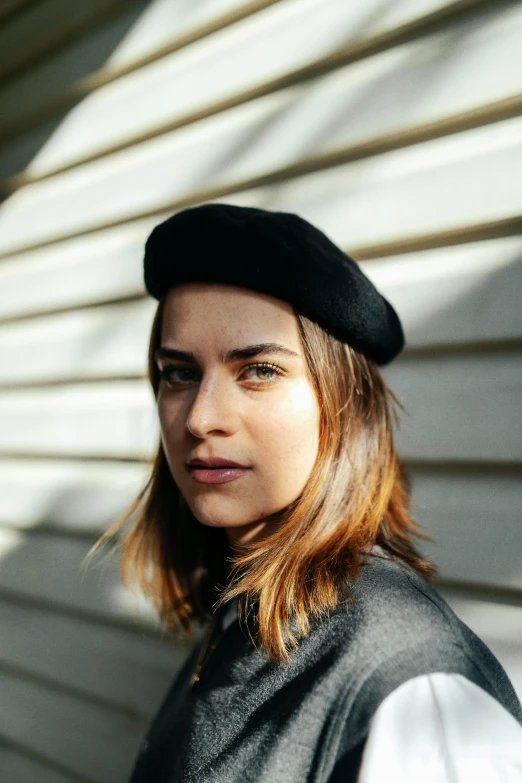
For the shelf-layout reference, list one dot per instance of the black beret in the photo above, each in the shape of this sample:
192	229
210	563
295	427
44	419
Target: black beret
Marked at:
276	253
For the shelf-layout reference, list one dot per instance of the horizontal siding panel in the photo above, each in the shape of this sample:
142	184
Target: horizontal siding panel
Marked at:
79	271
443	297
121	668
154	29
216	70
48	569
458	294
432	187
377	98
54	86
108	341
15	767
463	407
163	23
88	740
18	152
114	419
49	23
499	626
34	86
43	26
474	519
467	411
75	497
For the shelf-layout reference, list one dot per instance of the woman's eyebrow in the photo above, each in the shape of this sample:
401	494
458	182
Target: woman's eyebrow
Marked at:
227	357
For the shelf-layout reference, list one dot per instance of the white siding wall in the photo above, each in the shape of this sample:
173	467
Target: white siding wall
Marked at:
396	128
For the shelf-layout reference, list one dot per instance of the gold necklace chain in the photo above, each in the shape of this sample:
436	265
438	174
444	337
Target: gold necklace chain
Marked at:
206	647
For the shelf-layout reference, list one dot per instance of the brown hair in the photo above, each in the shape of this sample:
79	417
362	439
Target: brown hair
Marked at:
357	496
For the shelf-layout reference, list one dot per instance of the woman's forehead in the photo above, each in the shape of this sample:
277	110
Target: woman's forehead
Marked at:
195	292
194	306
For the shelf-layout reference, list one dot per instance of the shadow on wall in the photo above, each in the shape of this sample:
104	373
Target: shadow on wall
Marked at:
66	73
84	665
58	74
469	501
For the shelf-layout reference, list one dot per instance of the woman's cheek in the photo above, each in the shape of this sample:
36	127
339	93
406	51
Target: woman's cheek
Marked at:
290	432
300	416
171	433
170	418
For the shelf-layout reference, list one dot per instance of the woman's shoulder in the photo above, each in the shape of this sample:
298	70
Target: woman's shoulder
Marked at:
392	610
398	626
390	593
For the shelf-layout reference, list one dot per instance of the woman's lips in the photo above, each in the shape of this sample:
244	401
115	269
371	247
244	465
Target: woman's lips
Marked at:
215	475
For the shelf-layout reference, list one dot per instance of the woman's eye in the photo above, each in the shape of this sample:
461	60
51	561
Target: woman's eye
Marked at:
264	369
168	374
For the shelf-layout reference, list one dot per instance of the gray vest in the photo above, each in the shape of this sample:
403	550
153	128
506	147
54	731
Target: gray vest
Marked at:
250	720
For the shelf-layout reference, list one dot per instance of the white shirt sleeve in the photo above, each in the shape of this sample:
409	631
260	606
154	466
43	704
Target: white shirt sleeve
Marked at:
442	728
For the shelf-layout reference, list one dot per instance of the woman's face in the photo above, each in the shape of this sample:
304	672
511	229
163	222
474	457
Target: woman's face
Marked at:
210	405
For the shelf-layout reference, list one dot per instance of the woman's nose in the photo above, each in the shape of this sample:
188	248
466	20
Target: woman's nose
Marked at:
212	408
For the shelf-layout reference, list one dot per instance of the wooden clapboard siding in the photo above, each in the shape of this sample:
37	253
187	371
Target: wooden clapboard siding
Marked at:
45	26
110	420
48	568
69	63
17	153
455	296
63	651
432	187
306	38
459	407
396	128
377	100
57	724
105	266
109	342
473	516
58	86
17	765
79	498
167	27
161	28
10	8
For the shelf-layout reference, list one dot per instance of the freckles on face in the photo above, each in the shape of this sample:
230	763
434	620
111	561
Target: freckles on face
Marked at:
254	416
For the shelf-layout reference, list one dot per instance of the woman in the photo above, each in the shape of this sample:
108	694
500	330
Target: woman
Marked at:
277	509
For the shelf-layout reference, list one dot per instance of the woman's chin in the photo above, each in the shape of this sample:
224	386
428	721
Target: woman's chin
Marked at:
224	515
